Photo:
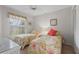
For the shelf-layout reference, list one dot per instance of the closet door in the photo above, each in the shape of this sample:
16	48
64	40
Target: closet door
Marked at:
76	30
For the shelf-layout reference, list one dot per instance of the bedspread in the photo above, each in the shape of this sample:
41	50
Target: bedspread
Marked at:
24	39
46	45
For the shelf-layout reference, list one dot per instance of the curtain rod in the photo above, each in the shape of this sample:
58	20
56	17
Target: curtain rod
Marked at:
17	15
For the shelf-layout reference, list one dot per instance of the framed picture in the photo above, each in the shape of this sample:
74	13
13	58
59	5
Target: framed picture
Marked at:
53	22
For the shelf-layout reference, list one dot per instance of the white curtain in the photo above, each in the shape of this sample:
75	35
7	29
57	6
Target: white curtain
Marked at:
17	24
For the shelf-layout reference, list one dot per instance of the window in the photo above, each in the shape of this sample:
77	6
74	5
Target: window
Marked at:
17	24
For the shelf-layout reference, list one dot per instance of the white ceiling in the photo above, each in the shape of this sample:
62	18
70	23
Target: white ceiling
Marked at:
41	9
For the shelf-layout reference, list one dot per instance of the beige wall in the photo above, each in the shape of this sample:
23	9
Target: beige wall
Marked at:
65	23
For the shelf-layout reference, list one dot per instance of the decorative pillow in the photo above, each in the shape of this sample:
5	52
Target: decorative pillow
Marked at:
37	34
52	32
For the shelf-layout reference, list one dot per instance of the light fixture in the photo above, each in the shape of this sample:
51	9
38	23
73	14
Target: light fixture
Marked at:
33	7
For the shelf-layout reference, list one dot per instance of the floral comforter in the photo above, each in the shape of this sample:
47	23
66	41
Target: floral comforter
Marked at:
46	45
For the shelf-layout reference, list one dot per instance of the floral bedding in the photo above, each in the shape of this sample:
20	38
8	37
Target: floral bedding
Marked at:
46	45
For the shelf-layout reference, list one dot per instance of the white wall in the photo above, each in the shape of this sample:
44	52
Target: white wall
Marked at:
65	23
64	18
4	20
0	22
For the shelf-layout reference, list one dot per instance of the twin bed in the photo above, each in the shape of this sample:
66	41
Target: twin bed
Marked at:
41	44
46	45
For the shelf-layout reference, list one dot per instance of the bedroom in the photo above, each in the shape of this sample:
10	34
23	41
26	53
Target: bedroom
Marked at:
36	21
